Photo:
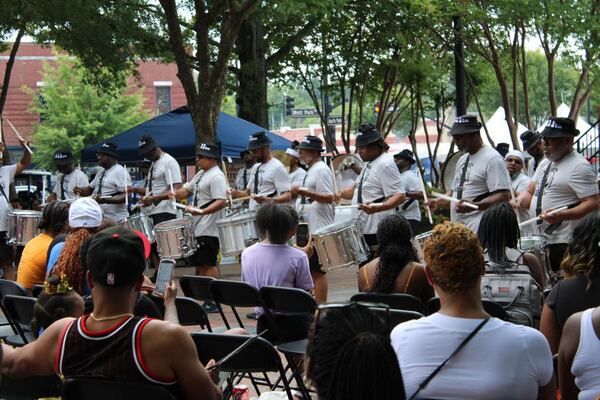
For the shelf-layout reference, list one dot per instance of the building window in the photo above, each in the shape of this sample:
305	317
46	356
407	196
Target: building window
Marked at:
163	99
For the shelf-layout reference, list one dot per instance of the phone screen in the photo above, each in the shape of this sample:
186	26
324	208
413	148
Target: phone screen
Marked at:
164	276
302	235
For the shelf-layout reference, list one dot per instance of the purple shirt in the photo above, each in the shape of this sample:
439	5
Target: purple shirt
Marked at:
265	264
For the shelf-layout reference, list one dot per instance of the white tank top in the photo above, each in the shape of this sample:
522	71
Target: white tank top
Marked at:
586	363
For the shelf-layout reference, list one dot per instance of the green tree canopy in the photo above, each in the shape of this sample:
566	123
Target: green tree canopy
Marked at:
76	114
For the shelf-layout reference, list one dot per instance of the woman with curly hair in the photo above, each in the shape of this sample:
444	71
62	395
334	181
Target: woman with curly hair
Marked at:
458	340
85	216
580	289
396	269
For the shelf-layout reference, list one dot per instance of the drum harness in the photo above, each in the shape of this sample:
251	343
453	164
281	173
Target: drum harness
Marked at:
359	198
195	197
538	206
4	194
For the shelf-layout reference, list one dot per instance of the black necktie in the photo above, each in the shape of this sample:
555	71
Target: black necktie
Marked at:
245	178
62	188
359	198
150	179
538	205
100	183
463	177
256	180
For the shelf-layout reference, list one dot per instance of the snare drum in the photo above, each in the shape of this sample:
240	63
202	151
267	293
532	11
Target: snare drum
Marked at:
22	226
419	244
537	245
175	238
340	244
140	222
237	232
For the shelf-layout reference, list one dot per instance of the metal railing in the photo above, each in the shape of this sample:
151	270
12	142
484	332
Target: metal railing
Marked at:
588	145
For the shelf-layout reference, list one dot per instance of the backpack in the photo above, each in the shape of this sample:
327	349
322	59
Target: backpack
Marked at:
512	286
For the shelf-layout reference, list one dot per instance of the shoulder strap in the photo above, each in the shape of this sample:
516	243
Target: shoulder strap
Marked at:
410	277
459	348
366	278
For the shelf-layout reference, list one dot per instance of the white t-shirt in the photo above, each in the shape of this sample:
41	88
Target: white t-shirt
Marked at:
486	173
319	179
570	179
381	180
297	177
519	185
161	181
411	183
205	187
7	176
114	180
239	177
272	180
75	179
502	361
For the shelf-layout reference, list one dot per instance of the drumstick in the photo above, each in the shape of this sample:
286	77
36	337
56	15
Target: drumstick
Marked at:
453	200
183	207
240	199
512	195
43	190
333	173
532	220
226	180
171	186
125	183
355	205
18	135
425	200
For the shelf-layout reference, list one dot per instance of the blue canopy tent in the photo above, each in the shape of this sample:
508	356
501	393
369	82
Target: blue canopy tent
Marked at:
174	132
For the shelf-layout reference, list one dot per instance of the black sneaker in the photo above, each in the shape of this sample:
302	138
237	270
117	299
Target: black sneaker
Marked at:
210	307
252	315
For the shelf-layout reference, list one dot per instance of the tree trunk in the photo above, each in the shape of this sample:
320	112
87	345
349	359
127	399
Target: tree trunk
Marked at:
524	78
579	95
551	84
252	91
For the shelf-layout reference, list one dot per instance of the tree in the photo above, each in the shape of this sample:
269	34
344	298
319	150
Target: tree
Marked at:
76	114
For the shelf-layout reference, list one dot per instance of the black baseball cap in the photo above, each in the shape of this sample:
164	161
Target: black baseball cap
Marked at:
311	143
558	127
465	124
63	157
367	134
207	150
258	140
529	139
407	155
146	144
109	148
114	257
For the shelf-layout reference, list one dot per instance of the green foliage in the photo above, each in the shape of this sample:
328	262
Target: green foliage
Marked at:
76	114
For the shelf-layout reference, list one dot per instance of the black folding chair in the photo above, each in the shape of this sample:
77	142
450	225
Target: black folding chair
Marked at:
235	294
31	387
396	301
9	287
20	311
494	309
400	316
259	357
36	290
198	288
190	312
102	389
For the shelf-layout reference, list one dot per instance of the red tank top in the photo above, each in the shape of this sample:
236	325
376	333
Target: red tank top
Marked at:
115	353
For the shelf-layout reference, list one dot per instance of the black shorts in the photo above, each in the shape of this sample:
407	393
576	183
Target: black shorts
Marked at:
314	263
207	252
6	251
373	244
414	226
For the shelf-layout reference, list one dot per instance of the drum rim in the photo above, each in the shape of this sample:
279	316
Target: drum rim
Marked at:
182	223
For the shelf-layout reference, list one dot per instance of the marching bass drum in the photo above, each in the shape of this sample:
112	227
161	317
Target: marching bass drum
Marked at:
449	169
344	175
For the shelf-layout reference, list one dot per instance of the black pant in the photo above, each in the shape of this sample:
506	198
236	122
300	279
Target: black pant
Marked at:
372	244
556	255
414	226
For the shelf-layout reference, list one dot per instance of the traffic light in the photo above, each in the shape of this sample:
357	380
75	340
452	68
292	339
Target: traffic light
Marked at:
377	108
289	104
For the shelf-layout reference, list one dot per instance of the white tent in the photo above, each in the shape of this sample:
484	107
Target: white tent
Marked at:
498	128
563	111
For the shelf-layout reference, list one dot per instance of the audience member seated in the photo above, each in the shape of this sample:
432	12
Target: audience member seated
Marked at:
580	289
350	356
499	236
110	342
58	300
32	266
85	216
578	361
498	360
395	270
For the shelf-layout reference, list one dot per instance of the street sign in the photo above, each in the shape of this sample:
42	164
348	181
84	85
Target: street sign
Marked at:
304	112
334	120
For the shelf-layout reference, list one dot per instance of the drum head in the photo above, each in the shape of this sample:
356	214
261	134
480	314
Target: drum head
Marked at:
531	242
449	169
173	224
336	226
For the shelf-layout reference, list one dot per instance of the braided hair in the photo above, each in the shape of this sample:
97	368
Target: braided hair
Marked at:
583	252
395	252
498	230
54	217
69	262
58	300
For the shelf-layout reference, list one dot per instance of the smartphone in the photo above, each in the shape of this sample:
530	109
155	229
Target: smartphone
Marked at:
164	276
302	235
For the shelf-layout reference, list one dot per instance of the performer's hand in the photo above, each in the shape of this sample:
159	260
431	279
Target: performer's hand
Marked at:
432	204
337	197
234	193
551	218
147	200
260	199
461	208
193	210
369	208
295	191
76	189
515	203
99	199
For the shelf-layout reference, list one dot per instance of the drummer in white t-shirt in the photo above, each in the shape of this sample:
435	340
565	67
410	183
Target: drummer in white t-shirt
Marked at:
314	203
414	189
532	144
480	176
378	189
515	161
69	178
270	181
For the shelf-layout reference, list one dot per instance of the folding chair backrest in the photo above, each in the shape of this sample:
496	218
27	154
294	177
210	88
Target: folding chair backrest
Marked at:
259	356
432	306
190	312
19	308
196	287
11	287
102	389
31	387
396	301
288	300
494	309
235	293
36	290
400	316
